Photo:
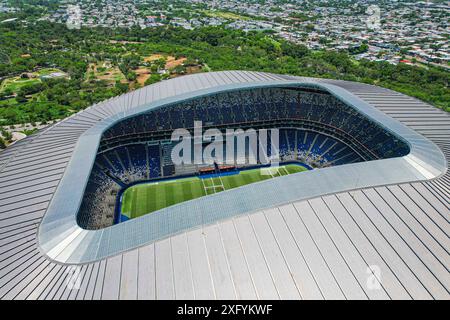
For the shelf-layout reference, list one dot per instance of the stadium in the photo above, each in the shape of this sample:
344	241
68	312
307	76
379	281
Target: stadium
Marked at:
95	207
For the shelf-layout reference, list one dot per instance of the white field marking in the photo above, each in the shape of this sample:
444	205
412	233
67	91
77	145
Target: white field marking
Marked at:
213	186
204	187
285	170
269	170
221	183
281	169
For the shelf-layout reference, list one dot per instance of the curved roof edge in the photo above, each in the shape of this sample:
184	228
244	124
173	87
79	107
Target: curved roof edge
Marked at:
62	240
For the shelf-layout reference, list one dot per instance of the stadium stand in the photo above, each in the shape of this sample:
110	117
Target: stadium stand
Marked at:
316	129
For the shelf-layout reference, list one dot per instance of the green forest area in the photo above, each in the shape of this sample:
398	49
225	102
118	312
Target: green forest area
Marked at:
49	71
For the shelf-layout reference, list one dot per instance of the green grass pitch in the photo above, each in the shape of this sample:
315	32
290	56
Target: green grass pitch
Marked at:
145	198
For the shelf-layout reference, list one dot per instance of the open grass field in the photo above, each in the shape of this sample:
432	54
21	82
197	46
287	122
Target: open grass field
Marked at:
104	71
15	83
225	15
145	198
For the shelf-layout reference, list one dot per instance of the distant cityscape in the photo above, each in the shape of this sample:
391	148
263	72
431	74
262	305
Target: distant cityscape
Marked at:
393	31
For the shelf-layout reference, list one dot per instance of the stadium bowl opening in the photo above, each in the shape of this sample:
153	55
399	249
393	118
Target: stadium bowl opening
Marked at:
346	142
315	128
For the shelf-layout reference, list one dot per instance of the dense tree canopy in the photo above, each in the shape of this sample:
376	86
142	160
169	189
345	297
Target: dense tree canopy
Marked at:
46	45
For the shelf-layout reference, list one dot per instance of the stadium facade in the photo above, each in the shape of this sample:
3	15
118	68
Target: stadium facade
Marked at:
371	221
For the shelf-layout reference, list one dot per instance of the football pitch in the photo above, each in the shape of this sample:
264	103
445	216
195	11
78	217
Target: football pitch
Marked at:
145	198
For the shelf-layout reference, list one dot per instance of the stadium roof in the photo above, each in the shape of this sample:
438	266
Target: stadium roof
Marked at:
319	247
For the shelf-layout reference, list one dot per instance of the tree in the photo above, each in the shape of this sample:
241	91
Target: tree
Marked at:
31	89
20	98
2	143
155	77
131	76
6	93
121	87
359	49
6	135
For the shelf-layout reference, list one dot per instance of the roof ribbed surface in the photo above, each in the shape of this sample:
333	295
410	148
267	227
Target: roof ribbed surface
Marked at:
318	248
